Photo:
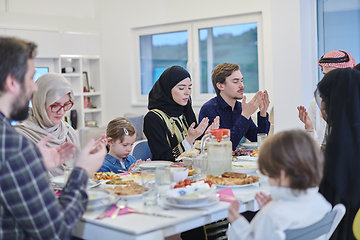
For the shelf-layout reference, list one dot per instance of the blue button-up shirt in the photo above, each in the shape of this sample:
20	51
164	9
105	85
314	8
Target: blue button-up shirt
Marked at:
113	164
232	119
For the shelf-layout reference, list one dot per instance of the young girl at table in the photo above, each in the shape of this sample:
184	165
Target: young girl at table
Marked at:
294	164
121	135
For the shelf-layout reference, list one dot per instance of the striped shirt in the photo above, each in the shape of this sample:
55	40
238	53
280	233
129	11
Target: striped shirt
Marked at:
28	206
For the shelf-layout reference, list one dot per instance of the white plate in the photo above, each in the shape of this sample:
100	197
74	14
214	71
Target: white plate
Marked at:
103	183
210	201
250	145
246	158
250	167
128	197
96	196
153	164
110	200
202	193
237	186
137	177
59	180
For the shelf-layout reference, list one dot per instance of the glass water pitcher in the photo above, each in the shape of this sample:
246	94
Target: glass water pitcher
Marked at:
219	151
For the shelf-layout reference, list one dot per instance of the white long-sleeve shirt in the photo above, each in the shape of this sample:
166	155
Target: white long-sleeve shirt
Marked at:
285	211
319	123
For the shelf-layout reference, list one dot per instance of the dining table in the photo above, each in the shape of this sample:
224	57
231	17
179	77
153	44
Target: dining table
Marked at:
136	226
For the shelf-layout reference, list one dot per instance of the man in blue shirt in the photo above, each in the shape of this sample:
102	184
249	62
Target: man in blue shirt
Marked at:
229	87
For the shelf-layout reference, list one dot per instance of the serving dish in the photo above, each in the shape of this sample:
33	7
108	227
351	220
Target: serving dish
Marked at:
191	195
60	181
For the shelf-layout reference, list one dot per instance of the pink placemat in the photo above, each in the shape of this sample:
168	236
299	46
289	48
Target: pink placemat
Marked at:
123	211
57	192
226	192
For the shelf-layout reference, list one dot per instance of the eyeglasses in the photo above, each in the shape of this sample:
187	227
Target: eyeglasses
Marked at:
57	107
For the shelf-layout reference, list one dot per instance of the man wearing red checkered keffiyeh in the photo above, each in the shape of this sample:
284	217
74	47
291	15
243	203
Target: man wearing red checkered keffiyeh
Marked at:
315	124
336	59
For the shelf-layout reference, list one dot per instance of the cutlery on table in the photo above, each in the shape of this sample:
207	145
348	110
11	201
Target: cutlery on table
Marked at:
149	213
121	204
102	215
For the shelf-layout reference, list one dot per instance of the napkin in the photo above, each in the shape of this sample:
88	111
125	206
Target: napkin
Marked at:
226	192
57	192
123	211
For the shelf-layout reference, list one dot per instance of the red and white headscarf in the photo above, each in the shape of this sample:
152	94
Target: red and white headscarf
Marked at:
337	59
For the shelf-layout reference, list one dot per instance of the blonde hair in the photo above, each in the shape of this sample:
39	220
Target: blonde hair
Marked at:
119	127
297	154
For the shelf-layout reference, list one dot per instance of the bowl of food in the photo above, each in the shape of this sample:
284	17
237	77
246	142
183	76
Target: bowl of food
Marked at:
96	196
191	194
178	174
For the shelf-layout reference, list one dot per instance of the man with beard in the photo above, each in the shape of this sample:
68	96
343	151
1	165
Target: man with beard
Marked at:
229	87
28	205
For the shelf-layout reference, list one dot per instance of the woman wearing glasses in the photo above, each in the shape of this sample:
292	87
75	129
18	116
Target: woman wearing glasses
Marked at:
53	98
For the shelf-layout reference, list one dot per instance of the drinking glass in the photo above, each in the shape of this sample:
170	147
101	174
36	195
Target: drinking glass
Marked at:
162	180
67	172
149	191
260	139
201	166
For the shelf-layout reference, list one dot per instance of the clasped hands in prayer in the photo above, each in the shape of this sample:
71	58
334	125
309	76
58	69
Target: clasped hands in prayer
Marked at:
90	158
260	101
194	133
233	211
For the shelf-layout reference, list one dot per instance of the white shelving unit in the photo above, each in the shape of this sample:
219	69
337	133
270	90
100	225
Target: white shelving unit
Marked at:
81	63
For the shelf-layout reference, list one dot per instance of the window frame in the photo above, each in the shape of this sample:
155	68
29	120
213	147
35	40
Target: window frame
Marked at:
193	64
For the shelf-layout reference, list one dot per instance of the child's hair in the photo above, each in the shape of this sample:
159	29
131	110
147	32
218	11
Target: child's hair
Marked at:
119	127
297	154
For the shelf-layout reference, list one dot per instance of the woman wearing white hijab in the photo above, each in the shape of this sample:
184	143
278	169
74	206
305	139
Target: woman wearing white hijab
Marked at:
49	104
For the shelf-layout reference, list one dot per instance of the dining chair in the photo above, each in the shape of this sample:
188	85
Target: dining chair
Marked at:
137	121
141	150
325	226
356	225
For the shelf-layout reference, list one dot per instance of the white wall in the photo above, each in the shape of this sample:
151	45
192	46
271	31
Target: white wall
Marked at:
283	47
288	31
64	15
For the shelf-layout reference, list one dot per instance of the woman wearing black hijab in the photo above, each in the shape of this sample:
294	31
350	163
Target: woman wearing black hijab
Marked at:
338	94
170	125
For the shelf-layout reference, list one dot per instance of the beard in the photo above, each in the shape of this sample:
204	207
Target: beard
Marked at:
20	108
19	113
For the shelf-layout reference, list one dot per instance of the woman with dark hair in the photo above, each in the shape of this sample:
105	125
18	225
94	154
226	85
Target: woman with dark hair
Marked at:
170	125
338	95
357	67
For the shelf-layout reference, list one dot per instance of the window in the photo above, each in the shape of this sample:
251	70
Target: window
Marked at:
338	27
158	52
199	46
234	44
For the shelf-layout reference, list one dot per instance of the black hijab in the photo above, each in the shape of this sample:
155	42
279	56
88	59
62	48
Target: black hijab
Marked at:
357	67
340	89
160	95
